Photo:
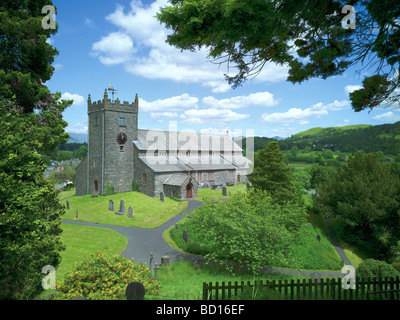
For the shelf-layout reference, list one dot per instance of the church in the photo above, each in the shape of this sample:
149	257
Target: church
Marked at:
175	163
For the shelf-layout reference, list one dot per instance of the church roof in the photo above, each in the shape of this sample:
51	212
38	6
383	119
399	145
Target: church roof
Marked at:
176	179
158	139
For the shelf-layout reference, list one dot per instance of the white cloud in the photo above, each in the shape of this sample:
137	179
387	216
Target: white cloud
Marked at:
262	99
78	99
77	127
169	105
211	116
387	117
302	116
164	115
155	59
351	88
114	49
89	23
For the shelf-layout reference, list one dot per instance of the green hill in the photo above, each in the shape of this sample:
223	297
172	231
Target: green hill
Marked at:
318	131
369	138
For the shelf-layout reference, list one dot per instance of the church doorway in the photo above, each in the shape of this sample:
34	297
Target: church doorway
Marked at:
96	186
189	190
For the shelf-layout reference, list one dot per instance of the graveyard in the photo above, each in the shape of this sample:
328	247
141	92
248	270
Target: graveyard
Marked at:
180	279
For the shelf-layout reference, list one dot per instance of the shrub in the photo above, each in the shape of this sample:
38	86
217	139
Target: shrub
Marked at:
104	277
135	186
369	269
109	189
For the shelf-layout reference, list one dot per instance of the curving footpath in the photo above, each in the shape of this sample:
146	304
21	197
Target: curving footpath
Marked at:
142	242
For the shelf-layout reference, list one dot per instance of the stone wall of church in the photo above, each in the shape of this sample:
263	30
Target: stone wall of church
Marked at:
81	178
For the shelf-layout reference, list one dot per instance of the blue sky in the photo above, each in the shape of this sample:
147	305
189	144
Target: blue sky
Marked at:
121	43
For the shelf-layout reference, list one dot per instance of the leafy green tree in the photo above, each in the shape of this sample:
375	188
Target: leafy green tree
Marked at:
248	230
271	174
320	174
327	154
31	124
365	198
246	35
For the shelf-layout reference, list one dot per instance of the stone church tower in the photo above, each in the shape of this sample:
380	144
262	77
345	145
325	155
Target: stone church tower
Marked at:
112	126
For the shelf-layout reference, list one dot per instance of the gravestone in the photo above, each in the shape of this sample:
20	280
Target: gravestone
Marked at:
162	196
67	205
165	260
224	191
319	238
76	214
248	185
135	291
130	212
111	205
185	236
121	208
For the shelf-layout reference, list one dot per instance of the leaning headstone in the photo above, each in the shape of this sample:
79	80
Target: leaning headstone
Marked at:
121	208
67	204
162	196
165	260
111	205
319	238
130	212
135	291
185	236
224	191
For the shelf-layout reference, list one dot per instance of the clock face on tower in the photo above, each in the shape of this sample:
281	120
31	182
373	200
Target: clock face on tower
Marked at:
122	138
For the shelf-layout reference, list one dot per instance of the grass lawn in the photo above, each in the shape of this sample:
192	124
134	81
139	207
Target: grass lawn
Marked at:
181	281
82	241
212	195
148	212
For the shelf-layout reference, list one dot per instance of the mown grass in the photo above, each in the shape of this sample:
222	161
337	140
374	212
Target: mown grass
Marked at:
181	281
148	212
213	195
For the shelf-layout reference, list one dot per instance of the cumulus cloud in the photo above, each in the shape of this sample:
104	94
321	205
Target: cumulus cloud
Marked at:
78	99
169	105
214	116
302	116
351	88
387	117
155	59
261	99
114	49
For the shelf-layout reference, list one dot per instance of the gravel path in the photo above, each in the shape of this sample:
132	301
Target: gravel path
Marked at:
143	241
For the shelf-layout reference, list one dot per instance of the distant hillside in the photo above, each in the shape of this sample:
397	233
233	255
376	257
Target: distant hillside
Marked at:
77	137
321	132
384	138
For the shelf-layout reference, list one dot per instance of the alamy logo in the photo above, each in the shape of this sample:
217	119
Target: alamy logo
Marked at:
349	21
49	281
349	280
49	21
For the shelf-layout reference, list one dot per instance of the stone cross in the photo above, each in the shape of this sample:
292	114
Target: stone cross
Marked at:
224	191
162	196
67	205
185	236
130	212
111	205
135	291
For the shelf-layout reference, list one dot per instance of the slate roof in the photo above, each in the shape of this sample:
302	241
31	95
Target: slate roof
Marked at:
176	179
158	139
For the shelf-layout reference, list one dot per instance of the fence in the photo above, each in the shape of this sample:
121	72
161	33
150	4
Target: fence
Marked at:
305	289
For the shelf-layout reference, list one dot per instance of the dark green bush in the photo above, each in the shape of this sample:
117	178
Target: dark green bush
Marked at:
369	269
